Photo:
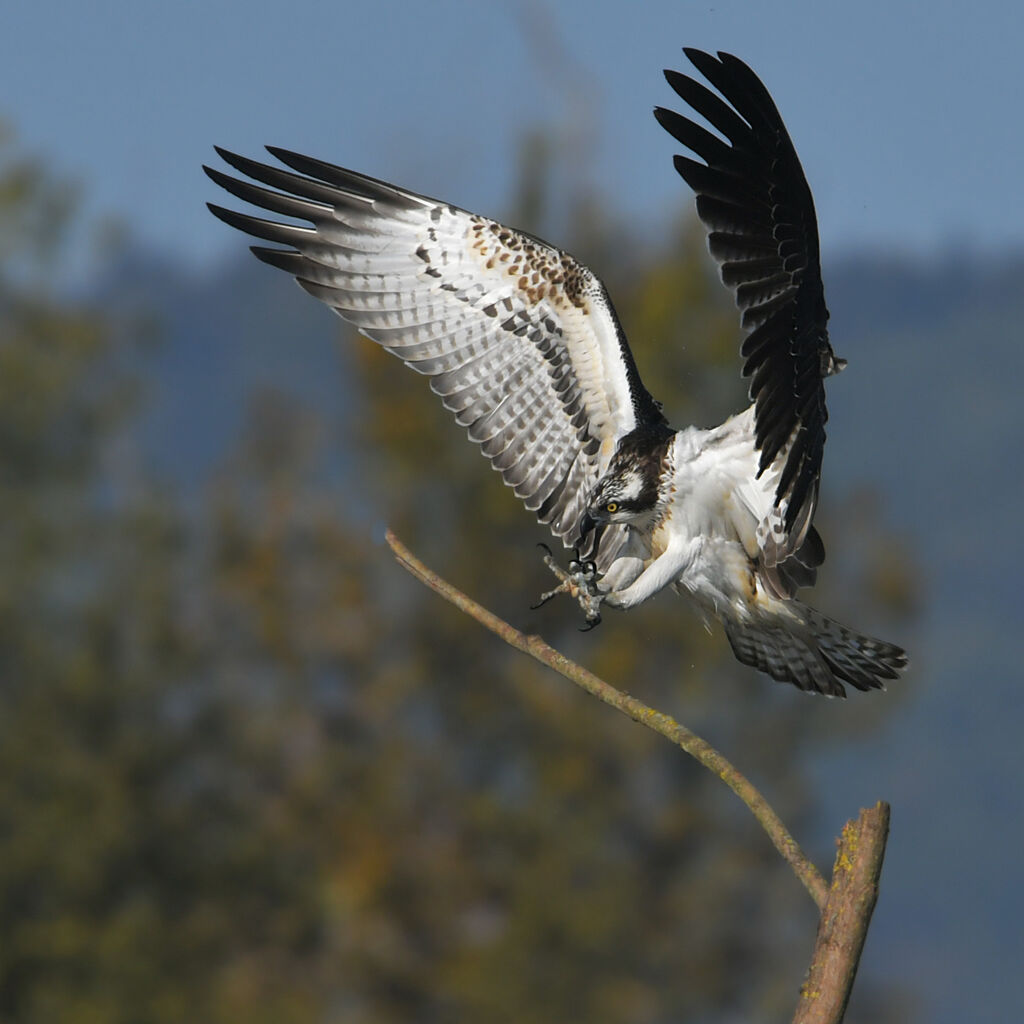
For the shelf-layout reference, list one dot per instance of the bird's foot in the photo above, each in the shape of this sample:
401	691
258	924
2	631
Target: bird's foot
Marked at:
580	582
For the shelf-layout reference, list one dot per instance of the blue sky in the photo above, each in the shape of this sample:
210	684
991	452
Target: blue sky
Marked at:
905	114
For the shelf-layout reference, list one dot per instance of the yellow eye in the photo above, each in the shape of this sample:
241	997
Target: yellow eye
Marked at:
612	506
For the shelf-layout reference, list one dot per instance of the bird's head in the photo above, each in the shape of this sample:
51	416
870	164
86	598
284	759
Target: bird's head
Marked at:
630	491
625	496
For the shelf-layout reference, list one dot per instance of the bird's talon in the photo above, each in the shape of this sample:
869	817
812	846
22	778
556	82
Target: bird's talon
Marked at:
579	581
544	598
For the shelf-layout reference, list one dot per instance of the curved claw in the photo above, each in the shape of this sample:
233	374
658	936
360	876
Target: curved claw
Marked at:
591	623
545	548
543	600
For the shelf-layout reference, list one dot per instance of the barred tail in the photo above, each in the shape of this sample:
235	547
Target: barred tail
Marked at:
815	652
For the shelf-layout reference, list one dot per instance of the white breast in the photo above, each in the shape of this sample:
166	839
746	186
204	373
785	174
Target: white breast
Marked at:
715	509
716	494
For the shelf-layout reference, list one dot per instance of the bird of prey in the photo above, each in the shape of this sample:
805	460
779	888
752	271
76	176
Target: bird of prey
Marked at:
523	346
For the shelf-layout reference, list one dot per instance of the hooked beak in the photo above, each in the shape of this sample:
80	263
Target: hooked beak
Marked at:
587	524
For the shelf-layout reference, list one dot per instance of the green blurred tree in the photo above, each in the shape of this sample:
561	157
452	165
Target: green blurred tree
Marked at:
249	771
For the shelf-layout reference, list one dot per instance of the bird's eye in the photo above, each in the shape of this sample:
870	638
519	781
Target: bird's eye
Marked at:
612	506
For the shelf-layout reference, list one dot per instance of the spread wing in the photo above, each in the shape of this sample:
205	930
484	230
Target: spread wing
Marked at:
520	341
755	202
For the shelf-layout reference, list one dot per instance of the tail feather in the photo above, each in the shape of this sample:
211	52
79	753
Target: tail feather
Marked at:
815	652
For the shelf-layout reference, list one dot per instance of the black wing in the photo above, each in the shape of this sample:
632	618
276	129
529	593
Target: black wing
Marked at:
754	199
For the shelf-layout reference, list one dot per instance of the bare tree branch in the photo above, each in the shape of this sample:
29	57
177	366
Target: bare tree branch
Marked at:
845	918
637	710
846	905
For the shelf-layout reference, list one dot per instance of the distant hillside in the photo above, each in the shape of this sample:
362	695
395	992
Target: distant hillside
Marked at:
867	290
938	421
221	339
225	334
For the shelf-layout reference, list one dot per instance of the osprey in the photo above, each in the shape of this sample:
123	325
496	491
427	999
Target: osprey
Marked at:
522	344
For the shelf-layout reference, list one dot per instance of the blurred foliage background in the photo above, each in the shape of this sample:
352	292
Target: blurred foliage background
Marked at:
250	771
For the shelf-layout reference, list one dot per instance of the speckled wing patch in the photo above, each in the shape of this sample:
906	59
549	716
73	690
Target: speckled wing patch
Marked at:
518	339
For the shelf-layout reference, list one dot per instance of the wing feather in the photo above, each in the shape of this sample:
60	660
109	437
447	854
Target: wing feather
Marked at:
519	339
754	199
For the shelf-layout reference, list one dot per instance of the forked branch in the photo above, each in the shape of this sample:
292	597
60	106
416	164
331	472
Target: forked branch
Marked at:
845	906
